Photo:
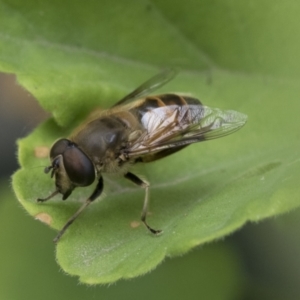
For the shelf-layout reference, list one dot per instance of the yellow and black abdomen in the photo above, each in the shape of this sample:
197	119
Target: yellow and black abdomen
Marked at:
164	115
157	101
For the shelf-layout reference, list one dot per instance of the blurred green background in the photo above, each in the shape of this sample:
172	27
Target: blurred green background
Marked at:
261	261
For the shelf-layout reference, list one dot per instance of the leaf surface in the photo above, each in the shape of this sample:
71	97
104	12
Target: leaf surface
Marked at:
232	55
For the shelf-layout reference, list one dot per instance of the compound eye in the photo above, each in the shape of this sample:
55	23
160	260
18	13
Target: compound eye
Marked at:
59	148
78	166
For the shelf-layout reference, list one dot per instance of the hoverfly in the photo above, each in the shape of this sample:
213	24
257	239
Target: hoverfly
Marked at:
138	128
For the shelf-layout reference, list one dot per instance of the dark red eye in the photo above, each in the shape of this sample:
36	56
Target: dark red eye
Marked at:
59	148
78	166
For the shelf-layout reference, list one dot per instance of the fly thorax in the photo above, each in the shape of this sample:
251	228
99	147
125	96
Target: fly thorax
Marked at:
102	140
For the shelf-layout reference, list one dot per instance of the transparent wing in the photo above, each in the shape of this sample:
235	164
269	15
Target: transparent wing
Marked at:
149	86
174	126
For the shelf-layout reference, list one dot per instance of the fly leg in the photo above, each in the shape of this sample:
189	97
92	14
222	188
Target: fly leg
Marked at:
144	185
97	192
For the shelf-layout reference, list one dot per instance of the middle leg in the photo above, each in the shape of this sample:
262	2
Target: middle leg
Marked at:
144	185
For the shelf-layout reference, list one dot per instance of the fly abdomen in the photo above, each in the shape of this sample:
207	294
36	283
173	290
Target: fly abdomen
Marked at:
157	101
160	111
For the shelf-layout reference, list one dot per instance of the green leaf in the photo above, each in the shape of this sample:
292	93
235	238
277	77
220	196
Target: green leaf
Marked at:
214	271
233	55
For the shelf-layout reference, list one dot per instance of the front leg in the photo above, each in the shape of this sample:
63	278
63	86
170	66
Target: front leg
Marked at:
97	192
144	185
